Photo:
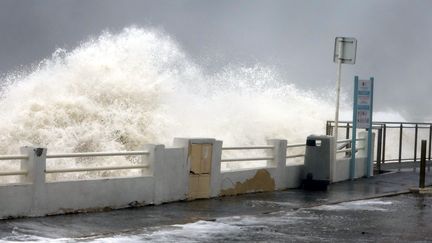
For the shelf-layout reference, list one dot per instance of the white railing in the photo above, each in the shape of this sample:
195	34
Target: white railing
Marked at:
96	154
249	147
100	168
13	157
295	145
348	142
260	147
14	172
247	159
77	155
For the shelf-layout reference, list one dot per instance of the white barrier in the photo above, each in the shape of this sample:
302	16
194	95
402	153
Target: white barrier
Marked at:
168	174
341	165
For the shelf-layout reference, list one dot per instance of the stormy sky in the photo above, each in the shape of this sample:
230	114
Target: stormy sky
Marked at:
295	37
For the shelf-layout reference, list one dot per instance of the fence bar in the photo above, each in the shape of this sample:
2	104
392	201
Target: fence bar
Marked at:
415	147
430	142
422	164
343	150
384	143
295	145
13	173
96	154
246	159
13	157
294	156
96	169
248	147
400	146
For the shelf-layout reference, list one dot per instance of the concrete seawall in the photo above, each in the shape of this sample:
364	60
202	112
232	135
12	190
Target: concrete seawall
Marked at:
189	170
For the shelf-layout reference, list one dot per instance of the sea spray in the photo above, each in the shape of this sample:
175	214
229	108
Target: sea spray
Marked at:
120	91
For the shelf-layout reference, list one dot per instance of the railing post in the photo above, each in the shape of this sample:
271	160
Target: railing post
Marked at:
35	166
400	146
279	154
415	148
156	169
384	144
379	150
327	128
347	130
430	142
422	164
155	158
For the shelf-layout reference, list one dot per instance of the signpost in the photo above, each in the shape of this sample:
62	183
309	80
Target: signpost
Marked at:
344	52
362	118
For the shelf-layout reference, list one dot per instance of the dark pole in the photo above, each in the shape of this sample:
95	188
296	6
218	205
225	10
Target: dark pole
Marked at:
430	142
327	128
422	164
347	131
347	137
384	143
379	150
415	148
400	146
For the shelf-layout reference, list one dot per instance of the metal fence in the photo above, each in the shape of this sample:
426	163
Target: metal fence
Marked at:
396	143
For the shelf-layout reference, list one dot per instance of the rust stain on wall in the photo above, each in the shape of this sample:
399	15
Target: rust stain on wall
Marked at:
261	182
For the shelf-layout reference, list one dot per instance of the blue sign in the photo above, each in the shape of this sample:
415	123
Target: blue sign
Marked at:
362	118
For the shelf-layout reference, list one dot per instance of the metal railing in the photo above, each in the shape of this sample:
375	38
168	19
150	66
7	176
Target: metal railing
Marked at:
262	147
383	129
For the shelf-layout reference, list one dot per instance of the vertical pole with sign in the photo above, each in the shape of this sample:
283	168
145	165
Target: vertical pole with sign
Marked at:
345	50
362	118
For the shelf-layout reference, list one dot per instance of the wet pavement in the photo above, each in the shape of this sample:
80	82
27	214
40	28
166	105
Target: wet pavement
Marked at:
375	209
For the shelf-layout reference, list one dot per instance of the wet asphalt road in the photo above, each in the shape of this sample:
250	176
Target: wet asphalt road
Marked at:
286	216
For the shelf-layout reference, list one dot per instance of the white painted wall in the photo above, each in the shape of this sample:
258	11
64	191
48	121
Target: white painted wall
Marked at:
166	180
341	166
35	197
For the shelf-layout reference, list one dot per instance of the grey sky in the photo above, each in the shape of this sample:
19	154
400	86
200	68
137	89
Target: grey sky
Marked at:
296	37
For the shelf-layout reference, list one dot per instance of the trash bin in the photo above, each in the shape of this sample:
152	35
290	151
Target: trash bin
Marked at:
318	162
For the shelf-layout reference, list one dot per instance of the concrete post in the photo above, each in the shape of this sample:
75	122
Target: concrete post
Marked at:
155	161
279	153
36	165
216	168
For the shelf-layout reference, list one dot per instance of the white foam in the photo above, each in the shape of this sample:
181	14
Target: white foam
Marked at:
121	91
367	205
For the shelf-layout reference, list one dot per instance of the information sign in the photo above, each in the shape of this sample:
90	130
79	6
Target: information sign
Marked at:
364	90
362	118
